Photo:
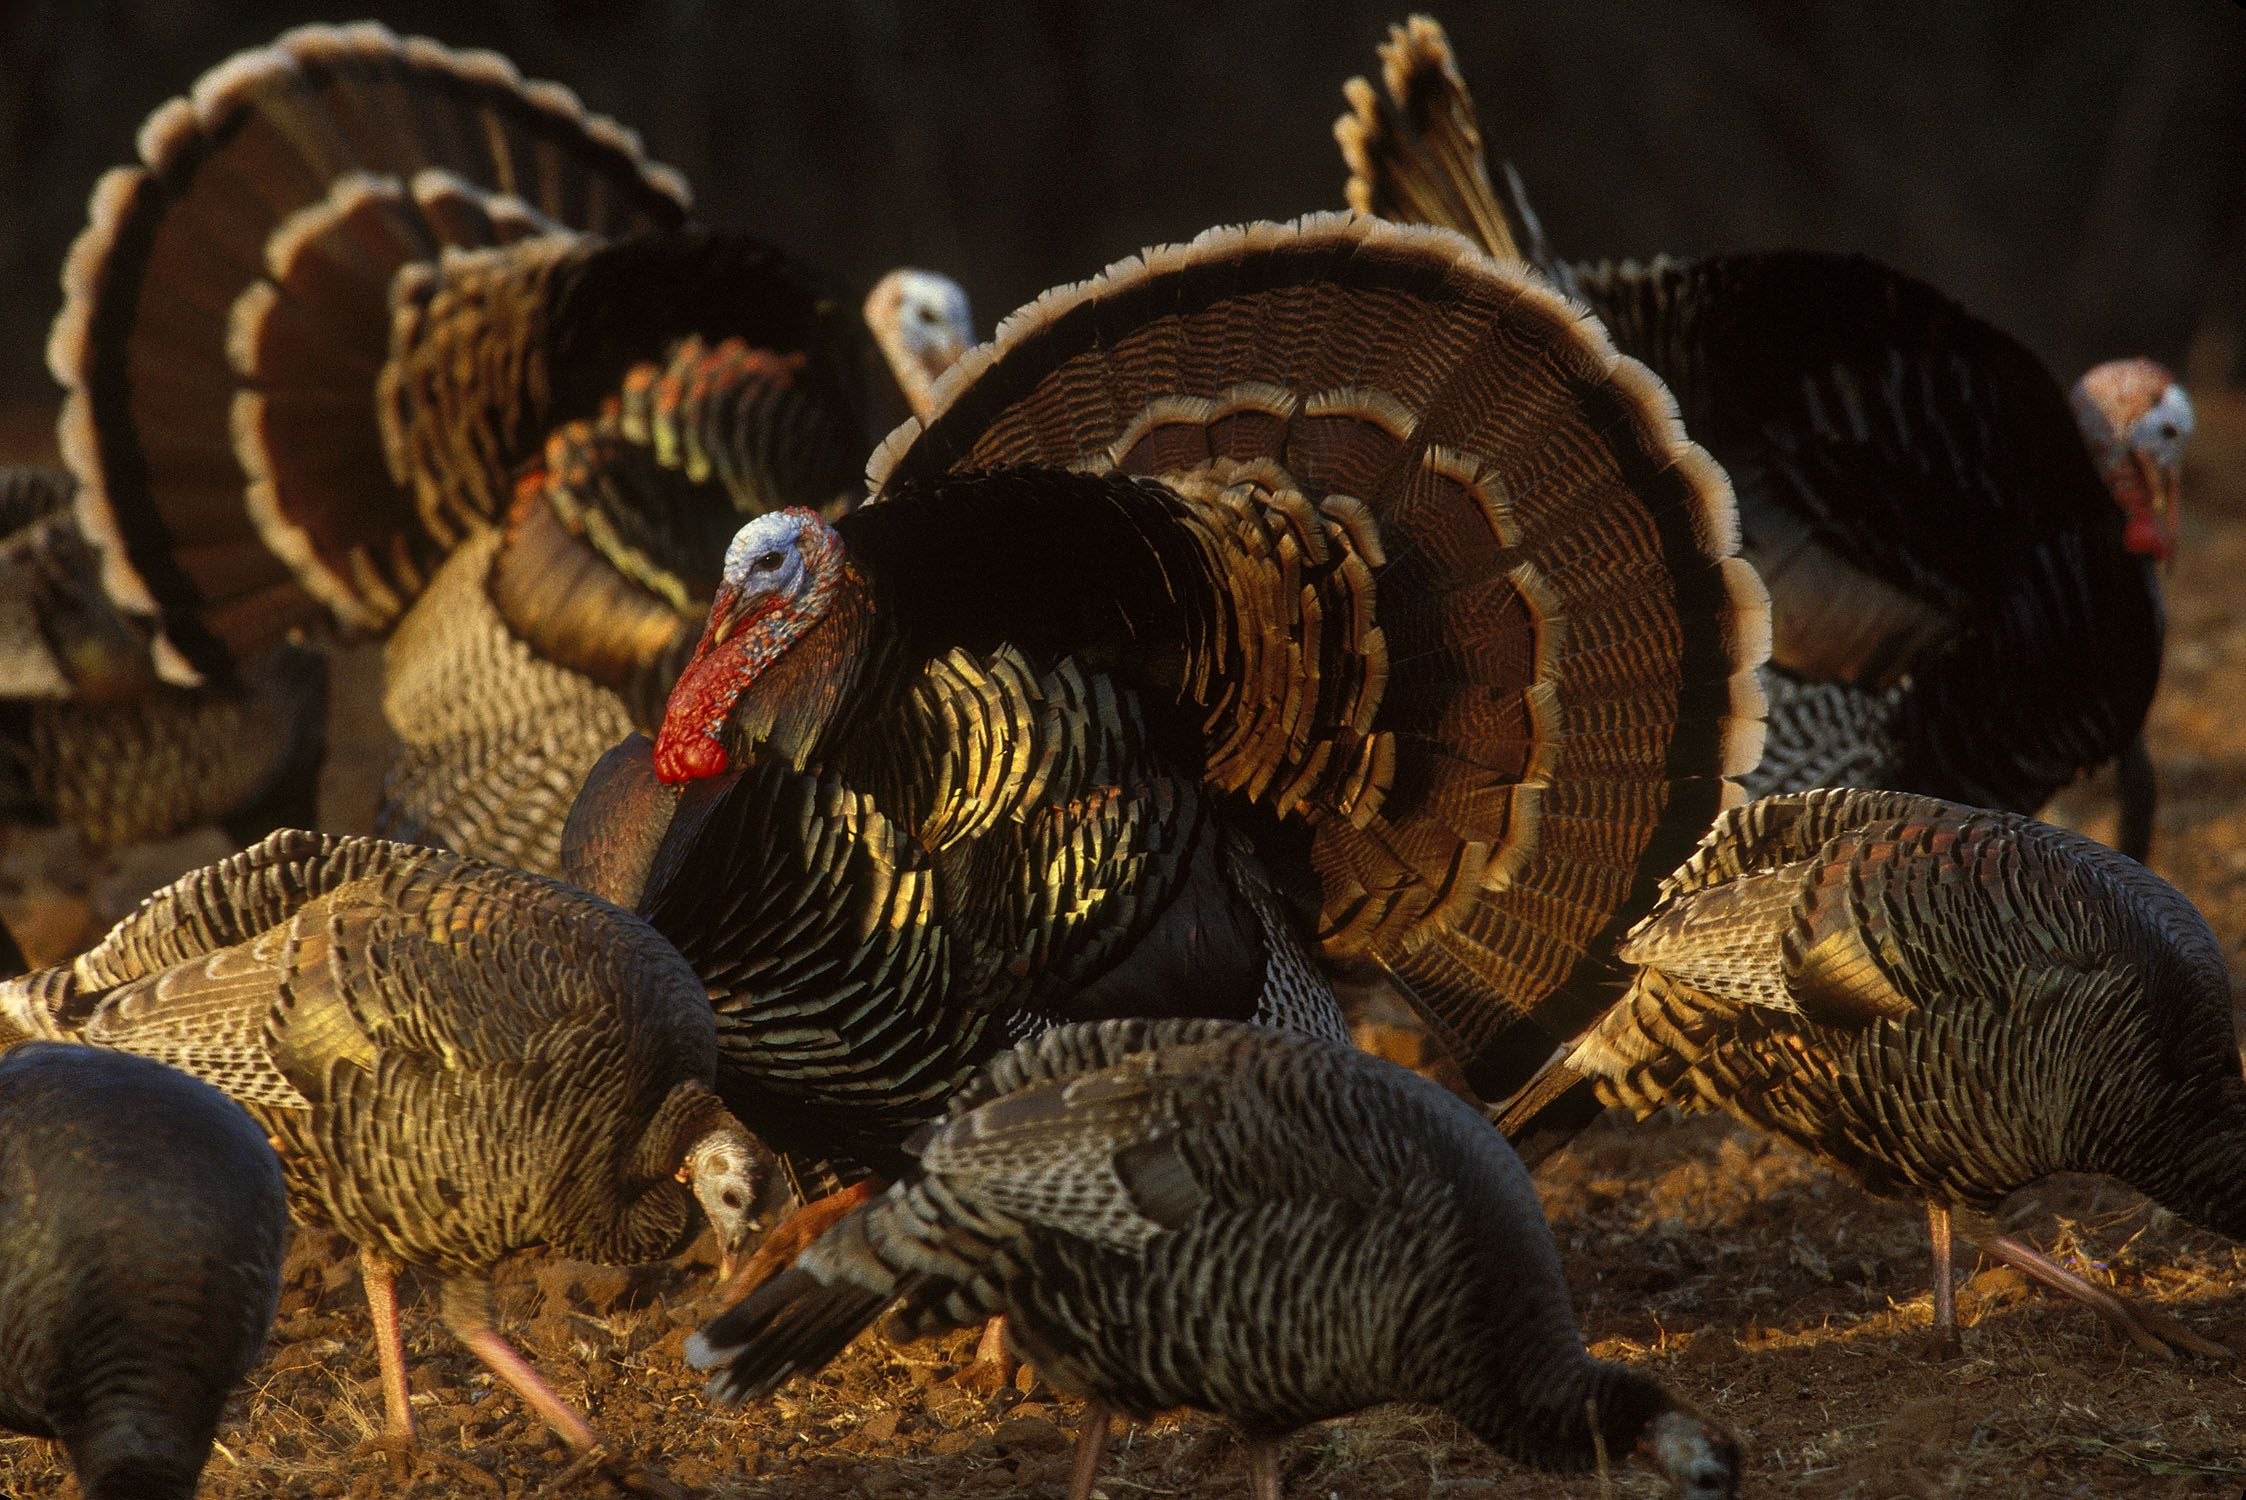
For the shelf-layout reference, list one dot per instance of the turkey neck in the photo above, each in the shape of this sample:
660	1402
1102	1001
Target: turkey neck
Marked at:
821	688
2203	1179
647	1215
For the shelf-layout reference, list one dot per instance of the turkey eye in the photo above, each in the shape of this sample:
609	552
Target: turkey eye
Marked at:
925	314
765	562
731	1200
2168	430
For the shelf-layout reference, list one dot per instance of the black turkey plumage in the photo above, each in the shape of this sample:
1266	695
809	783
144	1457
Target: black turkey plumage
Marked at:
1948	1003
383	336
1960	568
457	1061
142	1224
1311	591
1199	1213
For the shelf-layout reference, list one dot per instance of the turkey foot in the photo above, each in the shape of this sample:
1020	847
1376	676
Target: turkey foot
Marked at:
792	1236
2153	1332
994	1366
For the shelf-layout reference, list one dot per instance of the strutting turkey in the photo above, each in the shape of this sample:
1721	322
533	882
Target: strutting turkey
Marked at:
92	739
1200	1213
142	1223
1310	587
378	322
1948	1003
456	1060
1961	571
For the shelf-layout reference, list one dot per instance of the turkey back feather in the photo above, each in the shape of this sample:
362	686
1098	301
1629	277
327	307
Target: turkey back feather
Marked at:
1419	559
227	316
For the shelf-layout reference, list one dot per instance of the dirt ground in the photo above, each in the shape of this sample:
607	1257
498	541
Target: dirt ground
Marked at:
1786	1303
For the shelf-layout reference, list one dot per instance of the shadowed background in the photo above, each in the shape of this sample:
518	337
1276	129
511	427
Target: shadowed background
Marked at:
2074	171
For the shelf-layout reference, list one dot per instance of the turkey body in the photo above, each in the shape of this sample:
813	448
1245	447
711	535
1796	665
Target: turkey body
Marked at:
1953	609
1231	616
458	1060
91	738
1198	1213
1956	608
142	1225
1946	1002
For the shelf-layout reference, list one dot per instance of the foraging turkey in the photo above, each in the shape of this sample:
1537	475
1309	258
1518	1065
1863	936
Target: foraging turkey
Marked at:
1312	591
1277	1228
91	739
1960	569
136	1286
1948	1003
457	1061
382	336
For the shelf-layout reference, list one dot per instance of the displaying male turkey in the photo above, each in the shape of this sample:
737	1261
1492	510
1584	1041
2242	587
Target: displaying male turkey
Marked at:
326	347
1948	1003
92	739
142	1223
1312	590
1960	570
1277	1228
457	1061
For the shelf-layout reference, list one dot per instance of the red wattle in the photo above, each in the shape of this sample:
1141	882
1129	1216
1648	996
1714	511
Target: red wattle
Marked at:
688	755
2143	536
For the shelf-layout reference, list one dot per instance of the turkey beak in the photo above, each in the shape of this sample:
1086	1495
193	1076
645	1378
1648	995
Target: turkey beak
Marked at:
725	617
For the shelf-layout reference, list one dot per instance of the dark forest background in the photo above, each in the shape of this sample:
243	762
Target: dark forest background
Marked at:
2075	171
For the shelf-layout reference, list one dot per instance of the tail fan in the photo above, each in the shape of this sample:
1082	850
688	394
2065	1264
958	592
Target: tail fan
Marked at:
794	1322
227	316
1437	570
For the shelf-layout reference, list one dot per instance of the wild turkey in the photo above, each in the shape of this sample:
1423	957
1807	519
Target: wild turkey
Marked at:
1199	1213
920	320
1948	1003
456	1060
90	738
361	306
1312	586
1959	605
136	1285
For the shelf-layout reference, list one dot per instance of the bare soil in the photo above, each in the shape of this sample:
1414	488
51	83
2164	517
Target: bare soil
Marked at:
1784	1301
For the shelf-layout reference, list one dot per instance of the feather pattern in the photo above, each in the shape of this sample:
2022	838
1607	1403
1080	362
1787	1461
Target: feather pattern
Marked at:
1314	587
1946	1001
1200	1213
1953	611
128	1357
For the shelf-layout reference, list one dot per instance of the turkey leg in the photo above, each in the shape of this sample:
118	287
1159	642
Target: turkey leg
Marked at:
379	1274
1945	1289
1263	1467
1091	1449
467	1312
2153	1332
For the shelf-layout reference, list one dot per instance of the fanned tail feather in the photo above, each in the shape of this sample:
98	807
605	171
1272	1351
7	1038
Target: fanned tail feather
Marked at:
1417	158
227	314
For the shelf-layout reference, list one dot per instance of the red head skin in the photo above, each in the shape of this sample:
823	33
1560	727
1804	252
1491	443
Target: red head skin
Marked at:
2135	420
781	574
